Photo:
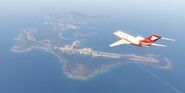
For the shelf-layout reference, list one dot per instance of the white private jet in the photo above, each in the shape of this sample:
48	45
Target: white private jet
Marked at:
138	41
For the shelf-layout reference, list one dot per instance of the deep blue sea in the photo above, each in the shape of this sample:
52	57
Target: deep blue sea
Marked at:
38	71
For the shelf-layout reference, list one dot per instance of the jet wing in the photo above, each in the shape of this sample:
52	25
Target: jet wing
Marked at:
120	42
154	44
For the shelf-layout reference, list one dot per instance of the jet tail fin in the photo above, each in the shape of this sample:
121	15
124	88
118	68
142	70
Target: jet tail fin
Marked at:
151	39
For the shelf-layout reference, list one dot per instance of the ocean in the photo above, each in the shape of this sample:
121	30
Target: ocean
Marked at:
38	71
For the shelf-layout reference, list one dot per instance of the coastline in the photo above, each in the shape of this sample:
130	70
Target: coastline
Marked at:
80	71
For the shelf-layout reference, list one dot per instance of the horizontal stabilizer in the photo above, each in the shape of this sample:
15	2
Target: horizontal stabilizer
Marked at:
154	44
168	39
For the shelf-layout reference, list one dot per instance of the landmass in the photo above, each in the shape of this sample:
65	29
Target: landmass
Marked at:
61	37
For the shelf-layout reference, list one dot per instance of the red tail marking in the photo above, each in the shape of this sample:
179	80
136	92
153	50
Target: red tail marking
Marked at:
151	39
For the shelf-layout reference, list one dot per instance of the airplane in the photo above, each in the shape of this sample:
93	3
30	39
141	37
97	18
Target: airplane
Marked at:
138	41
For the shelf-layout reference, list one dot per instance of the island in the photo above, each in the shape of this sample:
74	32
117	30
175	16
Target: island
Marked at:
61	37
